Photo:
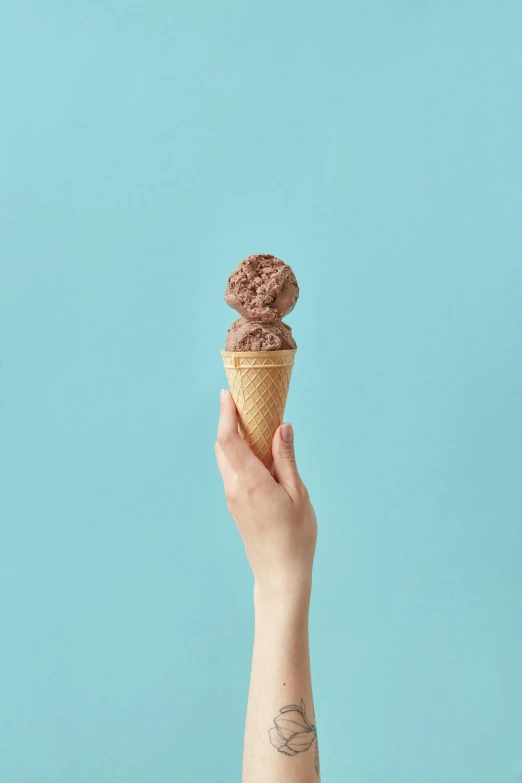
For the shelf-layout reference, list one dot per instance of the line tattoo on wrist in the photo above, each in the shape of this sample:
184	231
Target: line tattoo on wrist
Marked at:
292	732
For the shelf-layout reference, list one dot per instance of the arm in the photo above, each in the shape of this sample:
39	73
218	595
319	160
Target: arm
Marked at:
277	523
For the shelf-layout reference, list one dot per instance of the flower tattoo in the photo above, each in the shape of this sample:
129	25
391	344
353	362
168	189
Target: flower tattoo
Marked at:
293	733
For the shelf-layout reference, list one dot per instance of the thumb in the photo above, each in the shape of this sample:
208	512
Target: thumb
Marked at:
285	468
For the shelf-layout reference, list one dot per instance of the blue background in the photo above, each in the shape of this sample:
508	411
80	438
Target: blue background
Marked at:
146	148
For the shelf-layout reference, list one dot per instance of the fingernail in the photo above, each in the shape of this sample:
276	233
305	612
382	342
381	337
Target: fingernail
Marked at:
287	433
222	395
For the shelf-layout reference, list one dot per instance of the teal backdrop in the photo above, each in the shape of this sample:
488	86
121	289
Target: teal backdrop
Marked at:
145	149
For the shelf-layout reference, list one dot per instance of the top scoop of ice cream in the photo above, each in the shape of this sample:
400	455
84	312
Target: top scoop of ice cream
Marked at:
263	288
246	335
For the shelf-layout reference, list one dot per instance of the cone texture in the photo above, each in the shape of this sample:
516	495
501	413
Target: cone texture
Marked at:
259	382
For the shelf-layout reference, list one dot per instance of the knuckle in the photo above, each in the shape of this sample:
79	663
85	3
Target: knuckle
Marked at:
264	489
224	439
303	492
254	487
230	495
251	486
233	490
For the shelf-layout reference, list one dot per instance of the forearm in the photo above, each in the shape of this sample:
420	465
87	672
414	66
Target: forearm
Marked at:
277	523
281	743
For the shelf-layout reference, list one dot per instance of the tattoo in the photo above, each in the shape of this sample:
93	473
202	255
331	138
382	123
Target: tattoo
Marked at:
293	733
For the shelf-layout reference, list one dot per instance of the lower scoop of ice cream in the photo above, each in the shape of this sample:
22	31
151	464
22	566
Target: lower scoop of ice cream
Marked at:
263	288
246	335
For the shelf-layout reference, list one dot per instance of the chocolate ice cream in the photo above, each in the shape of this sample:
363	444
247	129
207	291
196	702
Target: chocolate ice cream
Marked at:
260	349
262	289
246	335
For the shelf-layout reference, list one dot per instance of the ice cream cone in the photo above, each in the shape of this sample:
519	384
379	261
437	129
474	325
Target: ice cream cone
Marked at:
259	384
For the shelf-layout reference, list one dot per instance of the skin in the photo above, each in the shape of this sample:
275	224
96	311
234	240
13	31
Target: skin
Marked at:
277	523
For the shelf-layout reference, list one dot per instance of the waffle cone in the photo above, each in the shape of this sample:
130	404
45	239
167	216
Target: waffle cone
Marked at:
258	382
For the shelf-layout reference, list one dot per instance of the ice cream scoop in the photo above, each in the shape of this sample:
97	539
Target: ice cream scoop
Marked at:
262	289
246	335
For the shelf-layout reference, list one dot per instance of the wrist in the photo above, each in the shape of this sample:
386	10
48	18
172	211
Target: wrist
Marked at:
283	598
281	620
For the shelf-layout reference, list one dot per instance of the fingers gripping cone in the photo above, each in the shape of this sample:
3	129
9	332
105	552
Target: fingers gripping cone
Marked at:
259	382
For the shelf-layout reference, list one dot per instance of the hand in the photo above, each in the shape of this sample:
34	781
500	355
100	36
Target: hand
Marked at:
273	512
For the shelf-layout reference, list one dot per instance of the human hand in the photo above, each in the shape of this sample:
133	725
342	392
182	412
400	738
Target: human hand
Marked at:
273	512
